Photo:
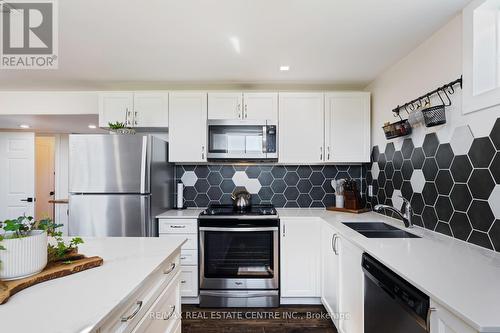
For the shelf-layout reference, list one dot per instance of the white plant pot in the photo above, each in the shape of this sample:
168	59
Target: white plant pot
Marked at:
23	257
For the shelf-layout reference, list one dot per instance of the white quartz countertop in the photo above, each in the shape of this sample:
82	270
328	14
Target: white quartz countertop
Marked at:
460	276
189	213
77	302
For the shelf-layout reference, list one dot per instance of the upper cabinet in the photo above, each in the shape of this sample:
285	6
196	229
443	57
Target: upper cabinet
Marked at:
481	55
301	128
139	109
243	106
347	127
188	127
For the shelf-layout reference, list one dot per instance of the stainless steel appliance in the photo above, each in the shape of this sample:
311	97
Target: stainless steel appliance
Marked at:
118	184
391	303
242	140
239	257
241	199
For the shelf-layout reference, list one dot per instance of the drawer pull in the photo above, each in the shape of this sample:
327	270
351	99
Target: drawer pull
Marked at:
137	309
168	271
178	226
171	313
183	281
183	258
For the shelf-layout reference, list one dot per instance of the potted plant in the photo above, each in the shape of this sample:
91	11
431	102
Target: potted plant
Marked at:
120	128
23	248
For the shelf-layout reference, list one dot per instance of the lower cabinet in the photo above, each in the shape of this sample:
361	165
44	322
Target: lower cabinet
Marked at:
330	275
443	321
300	257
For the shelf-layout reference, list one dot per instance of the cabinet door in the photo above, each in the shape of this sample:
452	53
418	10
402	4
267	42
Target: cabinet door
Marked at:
115	107
261	106
300	258
352	287
330	275
301	128
150	110
225	105
442	321
188	127
347	127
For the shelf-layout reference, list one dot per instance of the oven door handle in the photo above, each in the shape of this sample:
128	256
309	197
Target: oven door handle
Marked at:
238	294
239	229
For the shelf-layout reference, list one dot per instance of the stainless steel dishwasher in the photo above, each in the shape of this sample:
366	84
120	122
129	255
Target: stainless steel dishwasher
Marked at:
392	305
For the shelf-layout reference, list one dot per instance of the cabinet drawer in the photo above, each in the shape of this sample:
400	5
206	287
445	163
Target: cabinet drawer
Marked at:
129	312
189	257
178	226
189	281
165	313
192	240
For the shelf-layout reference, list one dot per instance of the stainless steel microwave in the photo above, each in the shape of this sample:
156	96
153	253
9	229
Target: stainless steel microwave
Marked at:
242	140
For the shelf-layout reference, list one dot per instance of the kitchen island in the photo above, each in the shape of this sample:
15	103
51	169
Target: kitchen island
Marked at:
139	276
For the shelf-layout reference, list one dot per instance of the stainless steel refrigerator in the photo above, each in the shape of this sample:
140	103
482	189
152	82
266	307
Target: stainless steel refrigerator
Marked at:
118	184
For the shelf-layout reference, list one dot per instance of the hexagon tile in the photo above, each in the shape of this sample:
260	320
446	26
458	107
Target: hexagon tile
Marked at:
454	187
283	186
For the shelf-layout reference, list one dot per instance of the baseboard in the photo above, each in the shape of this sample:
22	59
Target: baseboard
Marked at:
300	300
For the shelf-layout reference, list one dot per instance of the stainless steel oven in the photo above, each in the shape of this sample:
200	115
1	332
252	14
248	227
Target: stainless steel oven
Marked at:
242	140
239	261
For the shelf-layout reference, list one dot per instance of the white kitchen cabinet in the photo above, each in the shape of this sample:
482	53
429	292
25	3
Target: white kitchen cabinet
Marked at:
243	106
300	257
135	109
115	107
347	127
330	274
261	106
188	127
150	109
225	105
301	128
443	321
351	287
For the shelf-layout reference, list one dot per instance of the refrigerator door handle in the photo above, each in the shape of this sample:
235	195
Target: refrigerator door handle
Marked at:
143	163
146	223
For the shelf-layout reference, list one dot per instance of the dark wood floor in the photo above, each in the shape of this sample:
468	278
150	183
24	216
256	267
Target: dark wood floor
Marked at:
285	319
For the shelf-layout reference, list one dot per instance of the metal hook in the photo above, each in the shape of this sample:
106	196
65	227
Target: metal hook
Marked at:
451	90
448	97
442	101
406	109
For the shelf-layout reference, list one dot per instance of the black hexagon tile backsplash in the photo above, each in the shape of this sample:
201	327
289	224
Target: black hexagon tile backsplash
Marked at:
461	193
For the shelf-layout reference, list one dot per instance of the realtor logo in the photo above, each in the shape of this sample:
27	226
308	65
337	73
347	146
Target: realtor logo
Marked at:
29	34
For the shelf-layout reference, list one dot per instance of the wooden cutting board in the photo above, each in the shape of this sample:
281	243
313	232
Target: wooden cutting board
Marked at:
52	271
344	210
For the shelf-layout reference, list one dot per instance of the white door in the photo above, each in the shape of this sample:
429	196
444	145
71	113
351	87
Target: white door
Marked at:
301	128
330	278
45	174
188	127
150	109
261	106
17	174
116	107
300	258
225	105
352	287
347	127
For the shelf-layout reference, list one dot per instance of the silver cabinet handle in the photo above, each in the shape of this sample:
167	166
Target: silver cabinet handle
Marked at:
284	229
328	158
172	307
171	268
183	281
321	153
202	152
132	315
335	249
183	258
177	226
428	322
333	243
246	111
240	114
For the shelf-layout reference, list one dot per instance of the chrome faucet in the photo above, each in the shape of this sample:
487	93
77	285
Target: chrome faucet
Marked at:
406	212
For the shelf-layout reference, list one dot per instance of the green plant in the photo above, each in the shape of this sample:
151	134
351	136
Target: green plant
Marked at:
116	125
18	228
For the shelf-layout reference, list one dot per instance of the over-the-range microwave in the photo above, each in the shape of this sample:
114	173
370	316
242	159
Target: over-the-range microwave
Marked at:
242	140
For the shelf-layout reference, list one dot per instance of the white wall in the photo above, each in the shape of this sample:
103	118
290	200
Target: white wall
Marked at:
43	102
435	62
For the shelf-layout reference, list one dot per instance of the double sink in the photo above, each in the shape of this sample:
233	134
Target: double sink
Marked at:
378	230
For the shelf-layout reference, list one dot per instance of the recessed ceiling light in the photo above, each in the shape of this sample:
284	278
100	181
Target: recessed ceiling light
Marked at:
284	68
92	126
236	44
24	126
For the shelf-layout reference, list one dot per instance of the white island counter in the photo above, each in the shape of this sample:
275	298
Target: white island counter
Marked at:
134	270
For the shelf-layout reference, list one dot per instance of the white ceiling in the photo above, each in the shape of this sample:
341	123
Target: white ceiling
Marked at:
51	123
107	44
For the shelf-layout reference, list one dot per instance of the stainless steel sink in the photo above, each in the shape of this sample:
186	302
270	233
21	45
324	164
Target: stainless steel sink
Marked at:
379	230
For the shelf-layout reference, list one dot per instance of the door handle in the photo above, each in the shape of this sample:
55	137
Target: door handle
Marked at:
28	200
321	153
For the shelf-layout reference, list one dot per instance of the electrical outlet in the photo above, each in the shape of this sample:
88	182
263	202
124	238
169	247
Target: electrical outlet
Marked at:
370	190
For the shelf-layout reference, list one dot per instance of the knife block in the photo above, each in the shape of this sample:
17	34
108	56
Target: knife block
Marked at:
352	200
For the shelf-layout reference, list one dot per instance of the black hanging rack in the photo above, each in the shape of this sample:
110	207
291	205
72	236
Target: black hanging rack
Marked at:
447	89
